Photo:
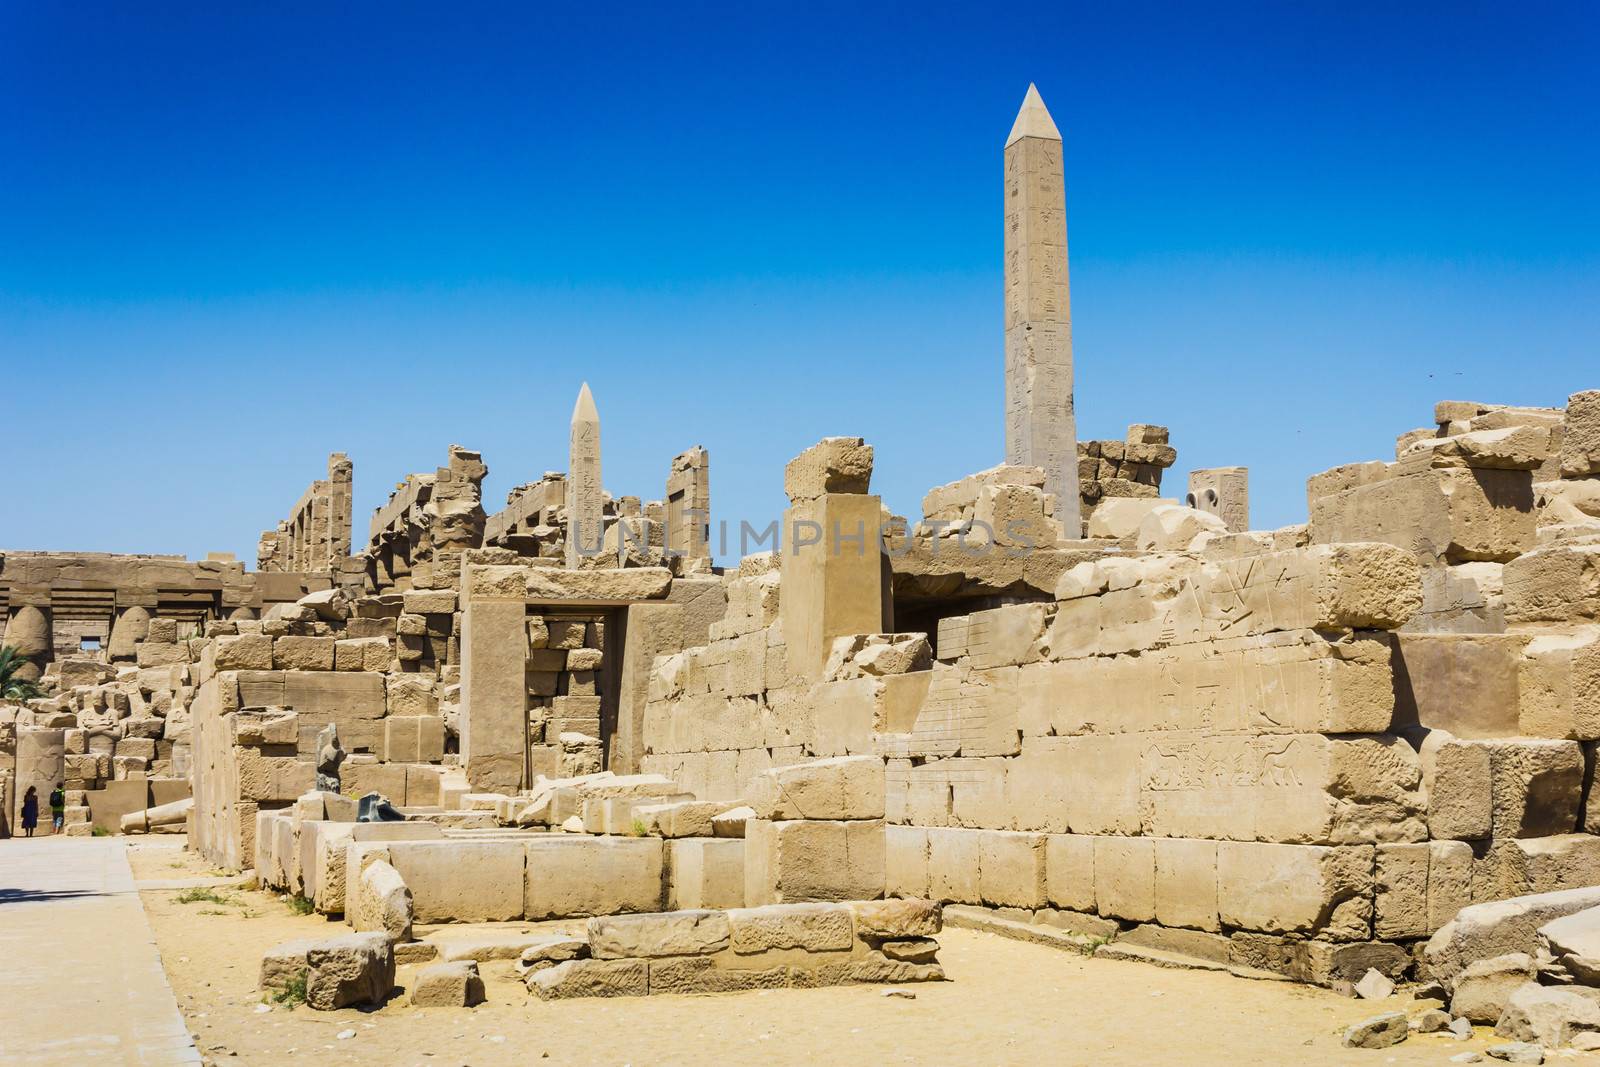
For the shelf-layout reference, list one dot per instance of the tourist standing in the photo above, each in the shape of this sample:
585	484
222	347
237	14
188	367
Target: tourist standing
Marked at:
30	811
58	808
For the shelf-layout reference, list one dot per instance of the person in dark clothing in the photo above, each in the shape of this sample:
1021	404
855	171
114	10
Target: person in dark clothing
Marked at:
58	808
30	811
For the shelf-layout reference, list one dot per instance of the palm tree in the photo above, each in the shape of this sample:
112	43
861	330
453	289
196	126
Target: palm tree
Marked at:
12	686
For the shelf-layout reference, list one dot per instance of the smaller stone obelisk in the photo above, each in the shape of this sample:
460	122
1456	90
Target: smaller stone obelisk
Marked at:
585	500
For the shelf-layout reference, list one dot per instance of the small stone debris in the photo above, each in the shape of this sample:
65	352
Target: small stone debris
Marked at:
1466	1057
1517	1052
1461	1029
901	994
1380	1031
345	1035
1431	1021
1374	985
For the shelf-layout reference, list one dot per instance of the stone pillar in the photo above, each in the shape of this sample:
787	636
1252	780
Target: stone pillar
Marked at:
1041	427
648	631
494	689
1223	492
689	505
41	759
28	631
341	482
832	554
585	497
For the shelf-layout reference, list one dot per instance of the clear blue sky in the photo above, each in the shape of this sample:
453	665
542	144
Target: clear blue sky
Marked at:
232	242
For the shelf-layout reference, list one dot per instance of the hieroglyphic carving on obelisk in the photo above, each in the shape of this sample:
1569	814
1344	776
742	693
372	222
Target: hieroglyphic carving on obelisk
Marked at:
1041	429
585	499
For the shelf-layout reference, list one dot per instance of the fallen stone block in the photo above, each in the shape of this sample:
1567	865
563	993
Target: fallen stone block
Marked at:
448	985
592	978
813	927
1548	1016
673	933
1481	992
1380	1031
383	902
1483	931
353	969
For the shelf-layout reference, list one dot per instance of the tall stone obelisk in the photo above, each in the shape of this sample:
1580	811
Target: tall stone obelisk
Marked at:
585	499
1041	428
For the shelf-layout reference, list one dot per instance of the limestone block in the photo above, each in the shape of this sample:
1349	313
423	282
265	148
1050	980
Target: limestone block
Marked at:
352	969
684	818
812	927
1580	444
1005	636
284	963
1089	784
1549	1017
441	889
848	787
598	586
428	601
794	861
906	861
1449	881
247	652
1120	517
1551	864
1559	685
1479	994
705	872
413	739
1464	683
1508	448
1454	515
674	933
592	978
1400	902
1285	788
1174	528
833	465
361	654
1296	889
1483	931
1458	780
411	694
1574	941
273	778
577	876
1069	871
1186	883
302	653
455	984
493	718
1011	869
1557	583
382	902
1124	877
1537	786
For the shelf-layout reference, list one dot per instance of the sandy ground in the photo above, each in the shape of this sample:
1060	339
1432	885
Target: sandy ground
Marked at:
1005	1003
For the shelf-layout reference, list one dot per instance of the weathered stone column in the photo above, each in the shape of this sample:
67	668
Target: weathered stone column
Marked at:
1223	492
832	555
1041	426
689	506
41	759
494	688
130	628
585	497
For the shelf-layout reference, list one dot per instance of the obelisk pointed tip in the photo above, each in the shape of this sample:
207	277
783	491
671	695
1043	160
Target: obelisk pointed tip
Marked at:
1033	119
584	409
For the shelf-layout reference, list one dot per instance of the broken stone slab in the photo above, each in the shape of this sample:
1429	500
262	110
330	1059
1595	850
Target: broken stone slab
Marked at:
347	970
1482	931
1574	940
673	933
592	978
1549	1015
1484	988
844	787
493	947
896	918
731	823
284	963
383	902
549	951
1516	1052
832	465
1431	1021
448	985
1380	1031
